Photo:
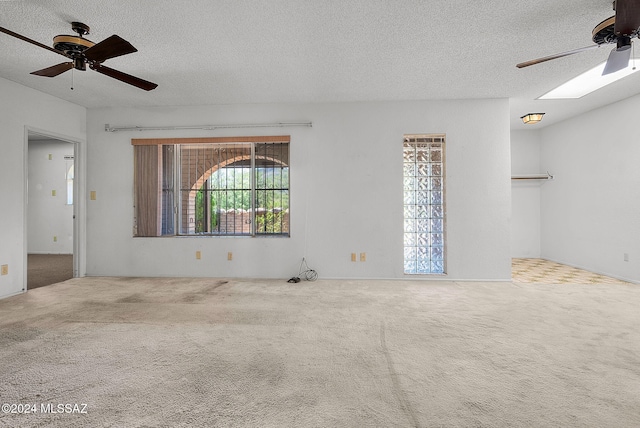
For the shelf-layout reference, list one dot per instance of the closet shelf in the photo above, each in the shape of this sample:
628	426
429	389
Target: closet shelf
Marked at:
546	176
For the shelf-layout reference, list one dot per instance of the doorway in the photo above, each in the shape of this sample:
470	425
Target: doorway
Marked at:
51	200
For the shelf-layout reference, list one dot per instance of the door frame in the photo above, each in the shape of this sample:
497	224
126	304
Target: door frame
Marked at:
79	202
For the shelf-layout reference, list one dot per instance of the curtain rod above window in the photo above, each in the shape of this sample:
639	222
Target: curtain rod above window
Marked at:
109	128
210	140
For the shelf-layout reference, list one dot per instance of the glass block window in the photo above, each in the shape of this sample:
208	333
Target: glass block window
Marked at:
424	210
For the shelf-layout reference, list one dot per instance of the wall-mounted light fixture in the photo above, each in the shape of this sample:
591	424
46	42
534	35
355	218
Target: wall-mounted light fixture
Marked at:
532	118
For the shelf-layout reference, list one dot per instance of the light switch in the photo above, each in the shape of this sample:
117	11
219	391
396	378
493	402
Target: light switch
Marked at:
92	195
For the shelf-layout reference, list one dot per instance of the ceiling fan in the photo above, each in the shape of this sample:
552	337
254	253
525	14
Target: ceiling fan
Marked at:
619	29
83	52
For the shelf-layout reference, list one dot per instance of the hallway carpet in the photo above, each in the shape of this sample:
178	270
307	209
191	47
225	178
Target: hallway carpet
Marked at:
47	269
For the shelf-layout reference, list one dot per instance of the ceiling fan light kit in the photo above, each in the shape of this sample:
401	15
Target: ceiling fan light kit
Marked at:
532	118
83	52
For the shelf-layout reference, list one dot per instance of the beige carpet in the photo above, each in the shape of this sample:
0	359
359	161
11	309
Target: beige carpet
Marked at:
238	353
47	269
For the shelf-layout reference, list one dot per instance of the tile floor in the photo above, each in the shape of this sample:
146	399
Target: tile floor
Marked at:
544	271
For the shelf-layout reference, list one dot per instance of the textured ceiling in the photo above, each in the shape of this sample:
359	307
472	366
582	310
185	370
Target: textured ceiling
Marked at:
251	51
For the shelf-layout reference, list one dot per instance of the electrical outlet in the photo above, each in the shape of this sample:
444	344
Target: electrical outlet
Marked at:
363	257
50	156
5	269
353	257
55	238
229	256
53	193
198	255
92	195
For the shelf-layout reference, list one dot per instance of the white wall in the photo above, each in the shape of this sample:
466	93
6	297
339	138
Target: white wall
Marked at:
525	194
346	191
22	108
591	211
49	215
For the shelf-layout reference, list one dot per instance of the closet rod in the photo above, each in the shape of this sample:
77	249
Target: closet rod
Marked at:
533	177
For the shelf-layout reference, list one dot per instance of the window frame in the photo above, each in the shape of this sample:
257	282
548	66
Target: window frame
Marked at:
415	140
69	177
150	212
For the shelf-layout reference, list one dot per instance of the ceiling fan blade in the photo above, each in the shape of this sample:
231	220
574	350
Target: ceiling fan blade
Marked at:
627	17
124	77
33	42
109	48
53	71
618	59
559	55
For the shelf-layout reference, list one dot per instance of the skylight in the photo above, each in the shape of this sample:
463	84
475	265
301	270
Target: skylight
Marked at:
587	82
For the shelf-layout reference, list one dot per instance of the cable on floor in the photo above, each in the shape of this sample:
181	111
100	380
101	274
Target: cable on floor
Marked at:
304	272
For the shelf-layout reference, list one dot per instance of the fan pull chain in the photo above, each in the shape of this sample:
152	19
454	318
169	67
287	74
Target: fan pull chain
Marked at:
72	79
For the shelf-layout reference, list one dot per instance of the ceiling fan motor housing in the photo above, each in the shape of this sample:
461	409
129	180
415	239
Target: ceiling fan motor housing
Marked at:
74	47
604	32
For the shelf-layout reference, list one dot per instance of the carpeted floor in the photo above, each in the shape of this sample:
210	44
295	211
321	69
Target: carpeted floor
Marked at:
47	269
145	352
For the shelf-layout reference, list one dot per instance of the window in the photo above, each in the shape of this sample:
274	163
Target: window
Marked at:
69	178
424	213
220	187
